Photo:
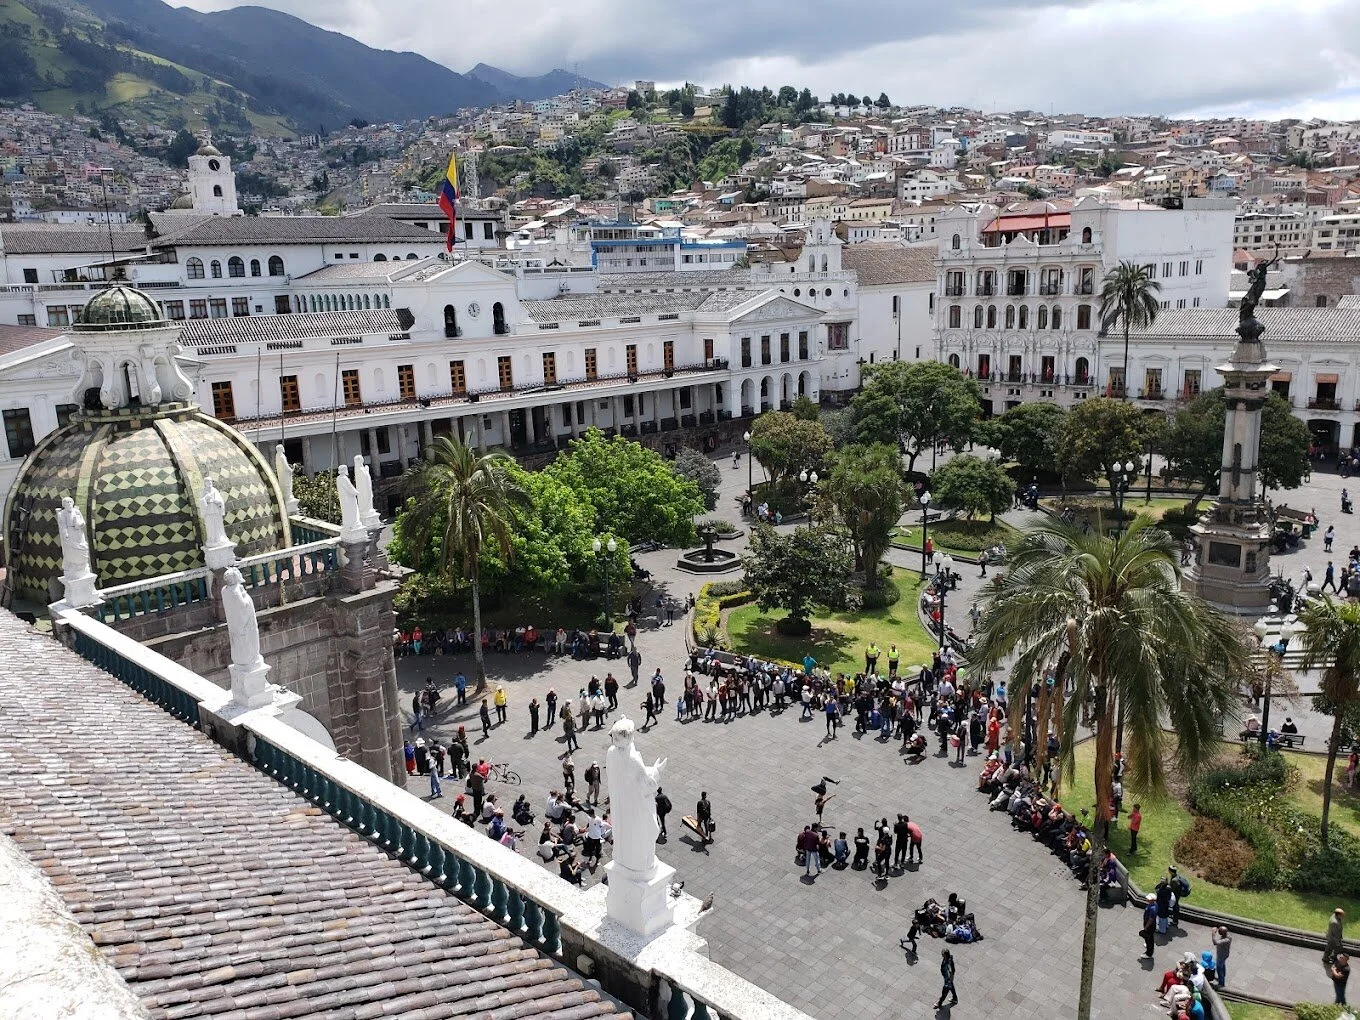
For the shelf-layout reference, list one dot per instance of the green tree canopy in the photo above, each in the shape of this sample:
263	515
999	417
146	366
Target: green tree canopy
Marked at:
632	489
1029	434
1128	296
1192	443
317	496
1100	433
691	464
869	492
973	485
914	403
1331	641
808	568
786	445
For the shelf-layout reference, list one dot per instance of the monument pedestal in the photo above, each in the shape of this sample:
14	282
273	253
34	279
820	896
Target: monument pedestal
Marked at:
640	903
80	590
250	685
1231	569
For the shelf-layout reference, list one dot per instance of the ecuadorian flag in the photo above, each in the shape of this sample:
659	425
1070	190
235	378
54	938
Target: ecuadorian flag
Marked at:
448	198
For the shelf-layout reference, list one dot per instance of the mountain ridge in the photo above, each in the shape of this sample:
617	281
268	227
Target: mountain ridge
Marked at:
245	68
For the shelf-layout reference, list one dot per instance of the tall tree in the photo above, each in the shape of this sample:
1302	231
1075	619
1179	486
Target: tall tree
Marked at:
472	499
1331	642
912	404
973	485
786	444
1100	433
1114	611
869	492
1029	434
883	102
1128	295
689	463
797	572
1192	443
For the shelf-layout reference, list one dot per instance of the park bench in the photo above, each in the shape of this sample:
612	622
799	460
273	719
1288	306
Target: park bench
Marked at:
1287	740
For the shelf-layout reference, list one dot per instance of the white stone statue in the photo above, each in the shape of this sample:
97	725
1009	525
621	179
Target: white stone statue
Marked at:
76	575
241	625
249	672
639	885
284	472
351	527
218	550
363	484
632	801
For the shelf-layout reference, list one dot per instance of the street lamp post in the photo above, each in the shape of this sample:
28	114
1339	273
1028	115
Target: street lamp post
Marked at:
1288	629
942	587
612	547
925	528
1124	474
750	477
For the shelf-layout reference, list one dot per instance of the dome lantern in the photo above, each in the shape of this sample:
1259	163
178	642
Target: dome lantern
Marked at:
128	350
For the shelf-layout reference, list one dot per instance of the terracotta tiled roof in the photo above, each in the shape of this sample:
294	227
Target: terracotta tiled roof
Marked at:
878	264
18	338
217	892
1283	325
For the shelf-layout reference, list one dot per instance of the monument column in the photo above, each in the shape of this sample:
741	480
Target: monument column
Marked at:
1231	564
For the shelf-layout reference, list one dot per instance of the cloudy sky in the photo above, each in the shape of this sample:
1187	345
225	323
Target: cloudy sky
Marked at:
1250	57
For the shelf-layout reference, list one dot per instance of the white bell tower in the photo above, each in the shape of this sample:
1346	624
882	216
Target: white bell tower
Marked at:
212	185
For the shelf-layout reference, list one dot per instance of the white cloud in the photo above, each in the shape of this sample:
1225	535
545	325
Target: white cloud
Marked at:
1256	57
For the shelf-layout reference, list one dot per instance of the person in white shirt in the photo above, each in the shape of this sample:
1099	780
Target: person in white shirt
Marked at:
597	832
554	809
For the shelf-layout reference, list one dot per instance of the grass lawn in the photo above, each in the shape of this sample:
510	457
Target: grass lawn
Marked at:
1251	1011
838	640
1308	793
1089	504
1163	823
958	536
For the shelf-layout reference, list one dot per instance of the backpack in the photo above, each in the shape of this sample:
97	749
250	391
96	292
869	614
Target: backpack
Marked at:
1182	887
664	805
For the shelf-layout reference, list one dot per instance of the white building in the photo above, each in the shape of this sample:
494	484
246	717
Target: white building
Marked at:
1066	138
1018	289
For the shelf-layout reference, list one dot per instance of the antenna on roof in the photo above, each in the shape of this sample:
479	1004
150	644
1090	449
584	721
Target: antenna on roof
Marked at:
108	217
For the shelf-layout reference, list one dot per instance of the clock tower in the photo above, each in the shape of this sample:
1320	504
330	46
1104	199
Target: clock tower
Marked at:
212	185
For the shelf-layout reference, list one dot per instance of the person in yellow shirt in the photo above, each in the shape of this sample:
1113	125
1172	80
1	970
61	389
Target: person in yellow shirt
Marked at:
500	700
894	658
871	658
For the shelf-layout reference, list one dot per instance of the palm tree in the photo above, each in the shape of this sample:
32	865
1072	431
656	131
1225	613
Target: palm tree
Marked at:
465	500
1111	612
1128	293
1331	640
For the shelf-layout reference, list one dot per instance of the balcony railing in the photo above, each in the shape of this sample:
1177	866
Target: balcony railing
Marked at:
986	290
1324	404
1016	290
1049	289
1152	394
953	290
1015	377
1114	390
1081	380
1086	288
501	329
453	332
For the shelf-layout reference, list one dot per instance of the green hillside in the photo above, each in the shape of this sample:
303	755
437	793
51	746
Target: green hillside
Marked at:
62	61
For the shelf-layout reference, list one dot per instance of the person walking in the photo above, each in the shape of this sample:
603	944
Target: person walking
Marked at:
634	664
569	728
484	713
550	699
832	710
1328	537
501	704
983	560
1329	577
812	860
947	979
1335	935
1135	823
1222	948
649	706
1149	929
436	788
663	808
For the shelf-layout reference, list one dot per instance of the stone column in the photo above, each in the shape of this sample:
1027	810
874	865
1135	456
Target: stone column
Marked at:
400	435
373	453
307	455
505	429
531	433
427	431
591	412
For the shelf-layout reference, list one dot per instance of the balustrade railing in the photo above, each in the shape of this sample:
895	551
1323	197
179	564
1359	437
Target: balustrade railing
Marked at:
290	564
147	598
307	530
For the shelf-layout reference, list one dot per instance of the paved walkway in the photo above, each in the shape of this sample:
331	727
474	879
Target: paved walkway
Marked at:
830	945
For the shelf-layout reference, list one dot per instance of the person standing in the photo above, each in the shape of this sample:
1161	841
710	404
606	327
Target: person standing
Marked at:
663	808
533	716
1135	823
812	860
1328	537
1340	972
501	704
703	814
477	784
1222	947
832	710
983	560
871	657
611	691
569	728
1164	895
592	777
460	684
947	979
634	664
916	839
484	713
1335	934
1149	930
551	701
568	778
436	788
902	840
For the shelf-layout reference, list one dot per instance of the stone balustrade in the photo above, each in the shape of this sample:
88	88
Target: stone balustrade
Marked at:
158	595
667	977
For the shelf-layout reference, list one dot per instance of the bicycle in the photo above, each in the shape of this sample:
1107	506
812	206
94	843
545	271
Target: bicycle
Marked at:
502	773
